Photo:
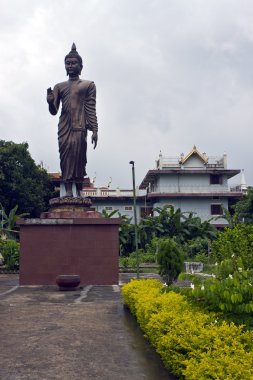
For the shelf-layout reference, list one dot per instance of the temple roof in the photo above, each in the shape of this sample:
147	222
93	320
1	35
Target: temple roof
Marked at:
195	152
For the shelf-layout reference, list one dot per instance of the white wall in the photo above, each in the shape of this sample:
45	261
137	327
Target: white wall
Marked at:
200	206
186	182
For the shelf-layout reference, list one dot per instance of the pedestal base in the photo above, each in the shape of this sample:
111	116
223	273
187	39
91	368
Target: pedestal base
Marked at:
87	247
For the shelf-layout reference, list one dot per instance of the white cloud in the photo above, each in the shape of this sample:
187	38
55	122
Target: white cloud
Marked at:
169	74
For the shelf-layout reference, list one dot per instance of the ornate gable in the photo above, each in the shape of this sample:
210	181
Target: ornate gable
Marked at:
196	154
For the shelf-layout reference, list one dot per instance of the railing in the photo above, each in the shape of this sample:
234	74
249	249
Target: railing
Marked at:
236	188
217	165
162	189
111	193
193	267
216	161
190	189
172	162
168	162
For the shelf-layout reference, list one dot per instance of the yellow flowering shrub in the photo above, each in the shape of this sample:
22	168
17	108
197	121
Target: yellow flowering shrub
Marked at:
191	343
134	290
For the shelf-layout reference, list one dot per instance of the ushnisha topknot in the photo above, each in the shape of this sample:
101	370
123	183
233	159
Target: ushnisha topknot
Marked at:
74	54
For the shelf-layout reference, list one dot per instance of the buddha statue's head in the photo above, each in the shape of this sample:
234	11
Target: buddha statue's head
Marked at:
73	62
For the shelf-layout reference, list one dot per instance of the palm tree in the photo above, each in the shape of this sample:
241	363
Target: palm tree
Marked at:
126	235
9	222
232	220
148	228
171	221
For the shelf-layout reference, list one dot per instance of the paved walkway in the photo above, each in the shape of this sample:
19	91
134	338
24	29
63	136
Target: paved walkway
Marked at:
87	334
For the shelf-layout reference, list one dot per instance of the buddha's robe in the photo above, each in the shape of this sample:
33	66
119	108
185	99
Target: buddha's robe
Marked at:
78	114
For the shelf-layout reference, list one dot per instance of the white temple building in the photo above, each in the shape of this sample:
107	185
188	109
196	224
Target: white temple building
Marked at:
194	183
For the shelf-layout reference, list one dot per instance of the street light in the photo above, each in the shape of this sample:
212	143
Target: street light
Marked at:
135	220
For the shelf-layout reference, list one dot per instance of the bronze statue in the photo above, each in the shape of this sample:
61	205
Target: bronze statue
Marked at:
78	115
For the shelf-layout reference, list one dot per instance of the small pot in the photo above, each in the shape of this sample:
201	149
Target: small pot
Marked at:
68	281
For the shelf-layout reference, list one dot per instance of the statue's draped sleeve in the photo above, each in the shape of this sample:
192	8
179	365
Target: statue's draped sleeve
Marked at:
90	108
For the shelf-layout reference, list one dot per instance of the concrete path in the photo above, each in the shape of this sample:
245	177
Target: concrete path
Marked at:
46	334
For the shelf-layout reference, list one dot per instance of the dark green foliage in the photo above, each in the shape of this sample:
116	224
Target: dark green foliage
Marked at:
10	252
244	207
126	235
235	244
8	222
169	223
22	182
170	259
107	214
148	228
196	246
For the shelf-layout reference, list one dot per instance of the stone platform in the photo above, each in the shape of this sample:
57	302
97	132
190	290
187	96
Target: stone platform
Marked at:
78	335
68	242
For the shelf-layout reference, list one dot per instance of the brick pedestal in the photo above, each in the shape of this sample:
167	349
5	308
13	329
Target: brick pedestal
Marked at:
86	247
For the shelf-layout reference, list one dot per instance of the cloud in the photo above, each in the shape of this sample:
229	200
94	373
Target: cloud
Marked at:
169	74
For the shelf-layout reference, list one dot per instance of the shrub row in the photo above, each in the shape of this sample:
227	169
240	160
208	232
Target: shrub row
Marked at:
192	344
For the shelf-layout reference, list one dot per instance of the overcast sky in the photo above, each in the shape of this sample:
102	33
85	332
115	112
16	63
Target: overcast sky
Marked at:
170	74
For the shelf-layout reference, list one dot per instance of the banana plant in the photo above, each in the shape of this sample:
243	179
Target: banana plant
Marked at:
9	222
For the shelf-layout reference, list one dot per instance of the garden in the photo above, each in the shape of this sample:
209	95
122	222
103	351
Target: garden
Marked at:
203	330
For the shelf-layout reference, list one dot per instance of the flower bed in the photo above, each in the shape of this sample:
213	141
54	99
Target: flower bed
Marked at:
192	344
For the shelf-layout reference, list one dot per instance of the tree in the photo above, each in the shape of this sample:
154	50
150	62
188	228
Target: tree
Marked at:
170	259
170	223
126	235
170	219
244	207
22	182
149	228
236	244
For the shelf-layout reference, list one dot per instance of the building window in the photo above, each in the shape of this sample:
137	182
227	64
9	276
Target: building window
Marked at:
108	208
215	179
216	210
128	208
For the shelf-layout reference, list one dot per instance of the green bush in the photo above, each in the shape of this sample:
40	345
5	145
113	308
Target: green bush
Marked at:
202	257
124	262
148	258
233	296
230	291
170	259
10	252
235	243
152	246
191	343
131	261
196	246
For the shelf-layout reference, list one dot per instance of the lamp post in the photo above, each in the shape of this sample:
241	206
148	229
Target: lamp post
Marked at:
135	220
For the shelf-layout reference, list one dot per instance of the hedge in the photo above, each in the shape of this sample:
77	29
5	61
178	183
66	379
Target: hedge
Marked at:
192	344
